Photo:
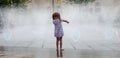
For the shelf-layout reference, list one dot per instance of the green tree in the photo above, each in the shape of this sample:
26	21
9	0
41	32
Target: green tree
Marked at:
13	3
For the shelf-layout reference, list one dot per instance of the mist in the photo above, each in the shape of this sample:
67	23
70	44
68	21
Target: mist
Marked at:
96	22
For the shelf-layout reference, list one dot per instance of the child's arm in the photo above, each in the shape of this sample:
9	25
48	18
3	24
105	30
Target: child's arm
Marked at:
65	21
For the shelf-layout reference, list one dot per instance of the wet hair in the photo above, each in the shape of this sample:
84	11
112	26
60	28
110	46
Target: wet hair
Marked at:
56	14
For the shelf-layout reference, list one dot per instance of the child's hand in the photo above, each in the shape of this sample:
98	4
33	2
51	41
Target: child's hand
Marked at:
66	21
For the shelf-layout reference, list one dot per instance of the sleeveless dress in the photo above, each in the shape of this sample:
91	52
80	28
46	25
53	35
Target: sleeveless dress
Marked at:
58	32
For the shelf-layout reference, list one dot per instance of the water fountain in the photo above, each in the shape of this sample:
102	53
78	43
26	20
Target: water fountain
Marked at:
94	22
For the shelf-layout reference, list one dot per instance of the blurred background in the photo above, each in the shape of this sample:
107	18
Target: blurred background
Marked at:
94	24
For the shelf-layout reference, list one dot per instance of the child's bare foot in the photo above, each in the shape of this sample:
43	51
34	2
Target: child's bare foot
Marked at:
57	53
56	49
61	49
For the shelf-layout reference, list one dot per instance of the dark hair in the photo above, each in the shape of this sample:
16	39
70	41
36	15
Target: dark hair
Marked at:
56	14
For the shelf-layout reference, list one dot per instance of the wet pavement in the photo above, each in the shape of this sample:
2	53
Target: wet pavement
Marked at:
23	52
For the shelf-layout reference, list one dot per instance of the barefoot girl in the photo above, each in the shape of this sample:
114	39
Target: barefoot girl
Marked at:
58	29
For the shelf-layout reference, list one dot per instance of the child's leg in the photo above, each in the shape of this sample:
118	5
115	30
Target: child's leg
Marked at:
57	42
60	42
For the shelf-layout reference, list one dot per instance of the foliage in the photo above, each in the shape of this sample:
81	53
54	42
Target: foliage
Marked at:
13	3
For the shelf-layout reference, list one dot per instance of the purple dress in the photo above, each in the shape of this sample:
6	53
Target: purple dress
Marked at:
58	28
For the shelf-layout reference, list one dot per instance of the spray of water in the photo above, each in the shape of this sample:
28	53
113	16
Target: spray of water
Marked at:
94	22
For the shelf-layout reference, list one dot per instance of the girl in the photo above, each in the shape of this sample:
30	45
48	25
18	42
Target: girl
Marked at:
58	29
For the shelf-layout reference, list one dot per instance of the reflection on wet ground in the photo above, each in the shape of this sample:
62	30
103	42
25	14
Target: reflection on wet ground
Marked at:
59	53
23	52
